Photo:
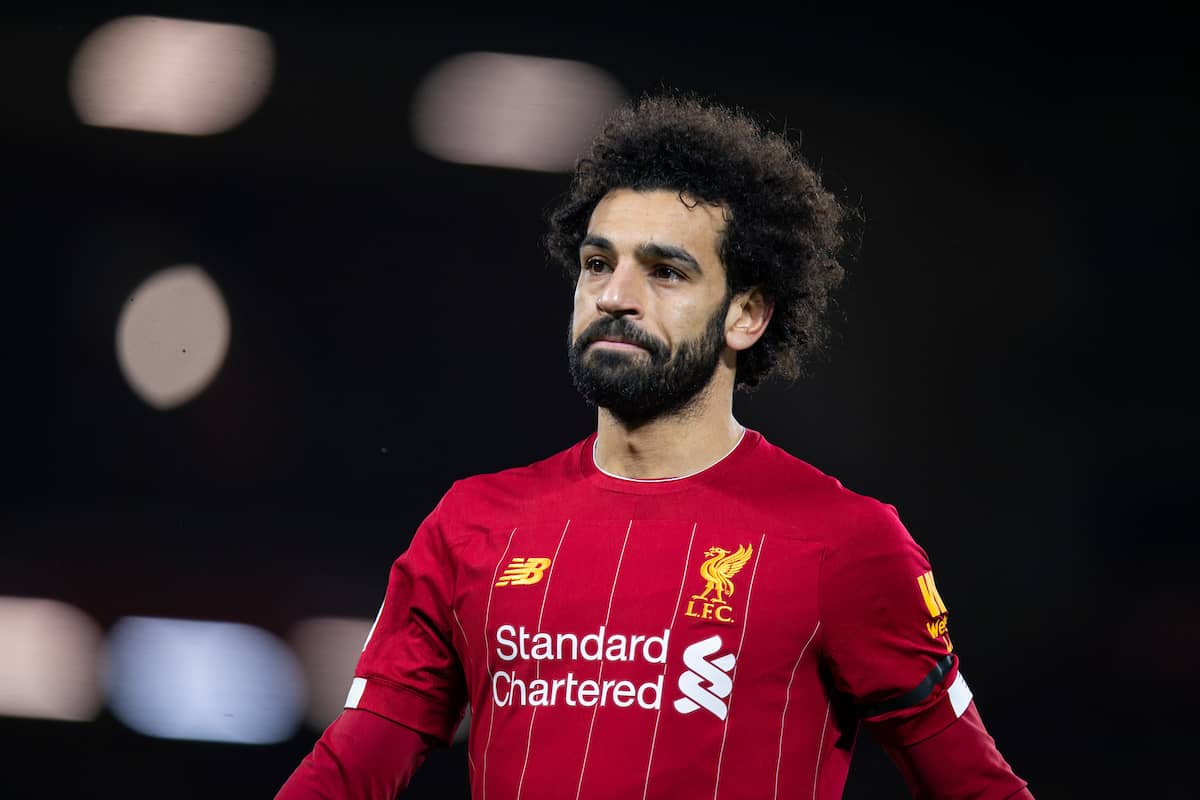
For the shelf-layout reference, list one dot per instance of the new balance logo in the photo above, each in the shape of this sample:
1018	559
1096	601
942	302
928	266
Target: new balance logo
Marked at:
701	670
524	571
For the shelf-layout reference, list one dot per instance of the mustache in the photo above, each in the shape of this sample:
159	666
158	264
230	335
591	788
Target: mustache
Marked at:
623	329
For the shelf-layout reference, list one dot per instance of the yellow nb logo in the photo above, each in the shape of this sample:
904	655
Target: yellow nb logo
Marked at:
524	571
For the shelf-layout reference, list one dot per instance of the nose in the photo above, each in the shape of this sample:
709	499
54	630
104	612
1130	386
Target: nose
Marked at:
621	295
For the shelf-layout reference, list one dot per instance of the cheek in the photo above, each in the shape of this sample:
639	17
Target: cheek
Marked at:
687	321
579	314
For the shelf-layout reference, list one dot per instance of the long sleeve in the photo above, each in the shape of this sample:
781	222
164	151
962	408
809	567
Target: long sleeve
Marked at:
887	645
409	670
961	761
360	756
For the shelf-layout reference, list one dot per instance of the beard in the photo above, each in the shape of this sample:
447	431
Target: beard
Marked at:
639	387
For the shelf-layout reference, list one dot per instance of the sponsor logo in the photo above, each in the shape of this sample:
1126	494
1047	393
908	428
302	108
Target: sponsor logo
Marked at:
508	689
706	683
937	626
518	644
718	572
524	571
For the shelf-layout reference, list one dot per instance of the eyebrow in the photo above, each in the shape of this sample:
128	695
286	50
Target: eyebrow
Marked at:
649	251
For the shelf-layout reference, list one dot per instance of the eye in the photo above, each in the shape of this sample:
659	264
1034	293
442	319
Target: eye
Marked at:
595	264
663	272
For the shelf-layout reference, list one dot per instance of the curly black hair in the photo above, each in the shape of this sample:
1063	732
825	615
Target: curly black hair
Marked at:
784	229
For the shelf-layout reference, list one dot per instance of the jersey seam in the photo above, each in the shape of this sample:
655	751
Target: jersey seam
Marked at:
822	632
919	714
376	679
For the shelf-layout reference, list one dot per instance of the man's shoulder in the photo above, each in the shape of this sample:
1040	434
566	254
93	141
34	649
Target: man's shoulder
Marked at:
550	473
798	486
792	474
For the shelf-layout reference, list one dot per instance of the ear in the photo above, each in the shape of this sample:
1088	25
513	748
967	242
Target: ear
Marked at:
749	313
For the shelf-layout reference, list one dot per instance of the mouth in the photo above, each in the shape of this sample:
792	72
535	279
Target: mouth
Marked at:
616	344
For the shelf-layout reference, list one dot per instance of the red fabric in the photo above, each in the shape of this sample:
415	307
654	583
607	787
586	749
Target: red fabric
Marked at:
413	672
960	762
618	666
360	756
875	636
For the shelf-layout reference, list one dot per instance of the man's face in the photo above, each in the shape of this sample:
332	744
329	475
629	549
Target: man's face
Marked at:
649	322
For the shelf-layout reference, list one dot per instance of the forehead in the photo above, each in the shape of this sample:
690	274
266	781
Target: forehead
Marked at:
629	218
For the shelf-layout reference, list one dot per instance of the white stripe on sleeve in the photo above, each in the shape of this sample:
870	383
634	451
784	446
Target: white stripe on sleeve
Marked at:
356	689
960	695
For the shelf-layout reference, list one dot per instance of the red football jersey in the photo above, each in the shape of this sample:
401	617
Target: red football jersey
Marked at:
715	635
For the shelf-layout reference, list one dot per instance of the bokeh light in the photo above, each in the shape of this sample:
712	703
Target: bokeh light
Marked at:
510	110
172	336
208	681
328	648
49	660
170	75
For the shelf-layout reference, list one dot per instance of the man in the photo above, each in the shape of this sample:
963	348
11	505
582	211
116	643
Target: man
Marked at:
673	607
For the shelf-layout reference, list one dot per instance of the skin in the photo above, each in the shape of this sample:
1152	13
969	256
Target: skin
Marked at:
625	272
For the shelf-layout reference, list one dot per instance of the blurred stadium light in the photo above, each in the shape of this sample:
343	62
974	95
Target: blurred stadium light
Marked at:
170	75
172	336
512	111
49	660
208	681
328	648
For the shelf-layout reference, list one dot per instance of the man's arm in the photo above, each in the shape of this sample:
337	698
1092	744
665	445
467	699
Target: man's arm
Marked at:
408	690
886	642
360	756
959	761
936	738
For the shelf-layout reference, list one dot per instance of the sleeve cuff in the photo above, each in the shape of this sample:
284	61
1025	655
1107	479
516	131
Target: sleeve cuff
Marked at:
405	706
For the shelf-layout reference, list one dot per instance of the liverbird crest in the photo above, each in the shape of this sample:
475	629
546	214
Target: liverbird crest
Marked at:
720	568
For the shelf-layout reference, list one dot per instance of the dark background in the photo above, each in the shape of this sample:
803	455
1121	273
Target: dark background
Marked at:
1011	367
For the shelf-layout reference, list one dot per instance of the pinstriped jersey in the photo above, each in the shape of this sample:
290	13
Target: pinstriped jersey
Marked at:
718	635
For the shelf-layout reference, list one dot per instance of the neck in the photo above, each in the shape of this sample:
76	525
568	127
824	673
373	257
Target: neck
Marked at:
670	446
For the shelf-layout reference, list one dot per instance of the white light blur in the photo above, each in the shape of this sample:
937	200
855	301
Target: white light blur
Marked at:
205	681
170	75
328	648
172	336
515	111
49	660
